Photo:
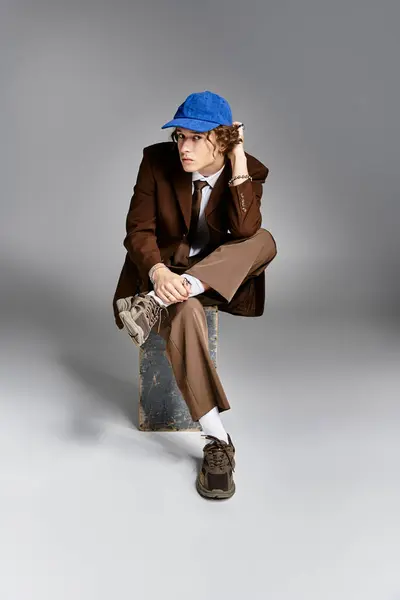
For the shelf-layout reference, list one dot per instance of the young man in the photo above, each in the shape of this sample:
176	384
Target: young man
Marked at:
194	238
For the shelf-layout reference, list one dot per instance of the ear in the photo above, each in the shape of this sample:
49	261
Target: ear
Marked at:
222	147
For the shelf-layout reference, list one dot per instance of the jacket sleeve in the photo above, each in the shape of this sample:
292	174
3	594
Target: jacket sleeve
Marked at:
141	241
244	213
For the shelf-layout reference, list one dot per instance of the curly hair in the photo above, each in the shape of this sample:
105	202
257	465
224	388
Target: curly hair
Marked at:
226	135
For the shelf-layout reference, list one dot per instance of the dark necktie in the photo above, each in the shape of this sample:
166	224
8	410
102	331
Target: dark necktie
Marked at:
196	202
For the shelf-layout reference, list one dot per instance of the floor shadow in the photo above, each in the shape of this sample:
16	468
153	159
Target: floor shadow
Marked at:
110	391
177	447
81	333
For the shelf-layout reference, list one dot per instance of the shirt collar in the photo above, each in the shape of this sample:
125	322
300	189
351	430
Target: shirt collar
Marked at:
211	179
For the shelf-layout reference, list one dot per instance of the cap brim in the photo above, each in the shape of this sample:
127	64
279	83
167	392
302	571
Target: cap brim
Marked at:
192	124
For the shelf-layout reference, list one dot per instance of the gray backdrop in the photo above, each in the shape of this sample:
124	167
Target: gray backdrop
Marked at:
93	508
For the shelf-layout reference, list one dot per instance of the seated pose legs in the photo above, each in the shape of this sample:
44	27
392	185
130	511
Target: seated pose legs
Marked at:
207	182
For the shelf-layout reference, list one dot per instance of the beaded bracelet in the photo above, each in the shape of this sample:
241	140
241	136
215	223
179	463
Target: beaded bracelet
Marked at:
240	177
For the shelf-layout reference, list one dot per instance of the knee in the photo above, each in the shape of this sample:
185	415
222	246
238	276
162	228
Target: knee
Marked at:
189	309
268	243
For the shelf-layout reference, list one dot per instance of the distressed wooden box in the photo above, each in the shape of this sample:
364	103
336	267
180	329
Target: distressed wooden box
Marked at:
161	405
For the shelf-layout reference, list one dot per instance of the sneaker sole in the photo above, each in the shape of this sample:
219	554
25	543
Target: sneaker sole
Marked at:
137	335
134	331
214	494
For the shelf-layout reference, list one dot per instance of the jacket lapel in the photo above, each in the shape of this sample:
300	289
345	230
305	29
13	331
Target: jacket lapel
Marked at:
220	187
182	184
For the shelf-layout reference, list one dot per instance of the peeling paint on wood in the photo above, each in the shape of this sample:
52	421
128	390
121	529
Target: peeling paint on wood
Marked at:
161	405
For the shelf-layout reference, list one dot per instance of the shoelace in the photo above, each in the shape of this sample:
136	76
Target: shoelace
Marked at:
153	311
218	451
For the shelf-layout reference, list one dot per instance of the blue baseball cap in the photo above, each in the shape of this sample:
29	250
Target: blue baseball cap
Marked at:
202	111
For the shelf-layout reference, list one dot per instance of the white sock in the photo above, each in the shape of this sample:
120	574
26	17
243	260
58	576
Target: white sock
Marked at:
152	293
197	287
211	424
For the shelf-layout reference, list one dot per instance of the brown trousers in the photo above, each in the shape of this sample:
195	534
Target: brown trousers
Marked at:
185	329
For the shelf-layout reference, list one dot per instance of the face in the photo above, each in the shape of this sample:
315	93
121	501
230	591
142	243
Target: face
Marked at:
195	146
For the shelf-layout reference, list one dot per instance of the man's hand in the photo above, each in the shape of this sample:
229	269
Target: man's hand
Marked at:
238	149
169	286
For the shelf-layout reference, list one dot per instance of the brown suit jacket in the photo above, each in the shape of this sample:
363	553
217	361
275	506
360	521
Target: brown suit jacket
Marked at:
159	218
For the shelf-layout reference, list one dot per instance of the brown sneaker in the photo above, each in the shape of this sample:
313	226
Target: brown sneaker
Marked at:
215	479
139	313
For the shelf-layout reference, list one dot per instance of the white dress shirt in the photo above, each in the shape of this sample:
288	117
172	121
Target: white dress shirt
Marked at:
202	232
